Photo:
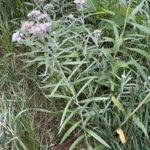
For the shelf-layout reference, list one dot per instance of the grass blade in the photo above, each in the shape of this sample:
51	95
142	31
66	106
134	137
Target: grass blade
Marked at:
72	147
140	125
146	30
67	134
97	137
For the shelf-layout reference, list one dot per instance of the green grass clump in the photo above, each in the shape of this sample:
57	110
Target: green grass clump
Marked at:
73	85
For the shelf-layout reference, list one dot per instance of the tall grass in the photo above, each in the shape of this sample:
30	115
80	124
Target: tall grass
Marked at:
83	79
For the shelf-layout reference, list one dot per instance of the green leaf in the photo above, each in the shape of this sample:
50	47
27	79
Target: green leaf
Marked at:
92	5
146	30
140	125
99	147
89	147
145	100
70	131
139	68
124	3
115	27
97	137
65	122
137	9
55	89
84	86
142	52
65	111
72	147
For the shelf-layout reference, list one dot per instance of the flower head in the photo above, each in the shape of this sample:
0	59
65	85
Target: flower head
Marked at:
123	76
16	37
34	13
35	29
26	26
79	3
71	16
47	25
49	7
97	32
40	27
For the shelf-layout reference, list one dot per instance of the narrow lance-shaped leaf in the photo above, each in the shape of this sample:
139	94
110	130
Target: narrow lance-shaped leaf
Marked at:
72	147
65	111
146	30
140	125
118	104
139	68
97	137
65	122
137	9
141	51
67	134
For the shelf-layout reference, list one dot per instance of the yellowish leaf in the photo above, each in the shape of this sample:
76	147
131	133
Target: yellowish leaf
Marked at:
118	104
121	136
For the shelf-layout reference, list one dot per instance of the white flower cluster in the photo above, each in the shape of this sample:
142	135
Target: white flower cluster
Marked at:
97	36
71	16
16	37
49	6
32	27
37	14
34	13
26	26
79	3
40	27
97	33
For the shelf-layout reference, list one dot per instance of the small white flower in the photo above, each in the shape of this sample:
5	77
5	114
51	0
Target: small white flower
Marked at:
71	16
97	35
34	13
79	3
16	37
148	77
123	76
49	7
97	32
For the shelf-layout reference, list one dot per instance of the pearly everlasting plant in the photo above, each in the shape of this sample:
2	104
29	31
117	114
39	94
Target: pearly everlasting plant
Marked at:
35	26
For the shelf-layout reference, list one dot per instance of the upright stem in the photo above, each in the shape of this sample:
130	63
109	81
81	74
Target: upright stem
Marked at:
126	18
